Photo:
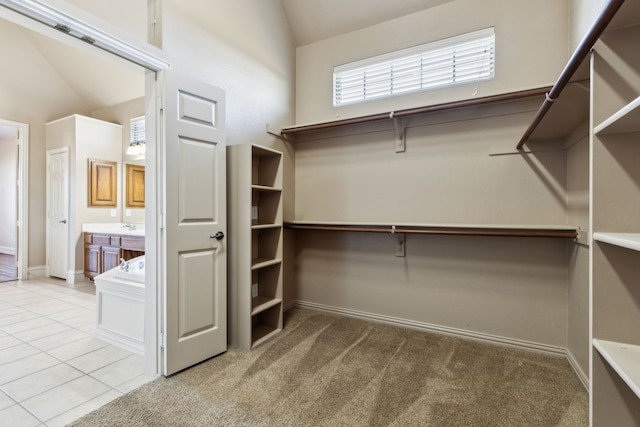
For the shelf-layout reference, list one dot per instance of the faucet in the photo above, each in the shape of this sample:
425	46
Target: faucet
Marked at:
129	226
124	265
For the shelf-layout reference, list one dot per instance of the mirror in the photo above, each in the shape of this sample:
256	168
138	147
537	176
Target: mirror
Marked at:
135	186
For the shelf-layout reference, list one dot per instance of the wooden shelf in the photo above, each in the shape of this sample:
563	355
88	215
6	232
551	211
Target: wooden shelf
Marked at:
264	262
563	231
624	359
626	120
265	226
265	188
262	303
625	240
473	102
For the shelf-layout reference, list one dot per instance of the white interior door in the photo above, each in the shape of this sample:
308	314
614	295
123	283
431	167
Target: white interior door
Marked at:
58	212
195	297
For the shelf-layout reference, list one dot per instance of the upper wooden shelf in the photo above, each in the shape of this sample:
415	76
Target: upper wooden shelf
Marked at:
499	230
473	102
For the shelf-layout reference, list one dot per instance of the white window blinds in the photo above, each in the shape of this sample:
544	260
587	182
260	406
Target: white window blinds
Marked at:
137	130
461	59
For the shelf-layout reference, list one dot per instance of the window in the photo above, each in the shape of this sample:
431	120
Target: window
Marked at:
466	58
137	137
137	130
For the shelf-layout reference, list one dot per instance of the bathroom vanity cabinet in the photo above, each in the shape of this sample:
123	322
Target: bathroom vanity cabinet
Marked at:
103	251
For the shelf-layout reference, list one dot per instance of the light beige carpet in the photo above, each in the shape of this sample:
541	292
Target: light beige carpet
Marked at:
326	370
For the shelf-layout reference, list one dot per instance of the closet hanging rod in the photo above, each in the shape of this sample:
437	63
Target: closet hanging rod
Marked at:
442	229
581	52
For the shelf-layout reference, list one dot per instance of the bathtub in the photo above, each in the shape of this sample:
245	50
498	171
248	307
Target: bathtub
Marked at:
120	306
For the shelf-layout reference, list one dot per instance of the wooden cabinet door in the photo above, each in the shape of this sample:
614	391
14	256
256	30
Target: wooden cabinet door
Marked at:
110	257
92	261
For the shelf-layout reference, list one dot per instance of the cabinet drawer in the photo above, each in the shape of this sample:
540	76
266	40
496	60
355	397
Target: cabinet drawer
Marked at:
132	243
101	239
115	241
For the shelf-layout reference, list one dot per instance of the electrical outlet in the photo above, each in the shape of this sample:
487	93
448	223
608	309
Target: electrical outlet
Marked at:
127	212
254	290
254	213
113	213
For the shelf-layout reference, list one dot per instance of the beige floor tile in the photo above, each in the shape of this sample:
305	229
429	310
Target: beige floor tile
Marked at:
36	322
85	408
11	311
18	416
40	382
121	371
65	397
100	358
17	318
89	329
80	321
7	341
49	307
77	348
27	366
59	339
136	382
5	401
24	299
44	331
17	352
63	315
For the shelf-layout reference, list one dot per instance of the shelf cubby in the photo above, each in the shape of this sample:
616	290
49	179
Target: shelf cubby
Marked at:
255	216
266	206
266	324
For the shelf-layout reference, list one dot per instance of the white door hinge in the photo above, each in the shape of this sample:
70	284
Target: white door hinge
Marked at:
163	340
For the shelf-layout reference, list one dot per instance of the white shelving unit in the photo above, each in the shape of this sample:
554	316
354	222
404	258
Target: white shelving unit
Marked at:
615	257
624	359
255	218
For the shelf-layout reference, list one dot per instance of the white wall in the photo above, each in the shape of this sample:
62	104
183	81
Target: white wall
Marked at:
583	14
531	51
245	48
8	193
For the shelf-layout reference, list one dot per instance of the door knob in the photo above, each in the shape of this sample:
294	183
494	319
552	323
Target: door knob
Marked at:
64	221
218	236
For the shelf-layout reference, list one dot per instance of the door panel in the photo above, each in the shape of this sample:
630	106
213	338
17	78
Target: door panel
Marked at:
195	318
57	213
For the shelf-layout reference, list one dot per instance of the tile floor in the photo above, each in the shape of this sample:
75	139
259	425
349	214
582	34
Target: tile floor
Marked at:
52	369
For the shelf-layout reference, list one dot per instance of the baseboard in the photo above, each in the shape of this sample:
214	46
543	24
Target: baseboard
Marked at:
7	250
428	327
37	271
75	276
584	378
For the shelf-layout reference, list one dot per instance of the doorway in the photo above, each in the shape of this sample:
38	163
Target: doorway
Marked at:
147	68
14	173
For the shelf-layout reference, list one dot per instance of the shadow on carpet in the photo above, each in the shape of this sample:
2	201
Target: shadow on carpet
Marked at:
327	370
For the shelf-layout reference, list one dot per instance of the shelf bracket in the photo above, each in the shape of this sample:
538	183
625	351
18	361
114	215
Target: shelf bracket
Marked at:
276	135
400	133
401	249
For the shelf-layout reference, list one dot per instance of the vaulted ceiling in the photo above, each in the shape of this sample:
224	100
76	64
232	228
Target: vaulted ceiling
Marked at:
314	20
99	83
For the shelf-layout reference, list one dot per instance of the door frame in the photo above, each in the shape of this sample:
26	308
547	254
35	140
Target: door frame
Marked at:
22	208
118	46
